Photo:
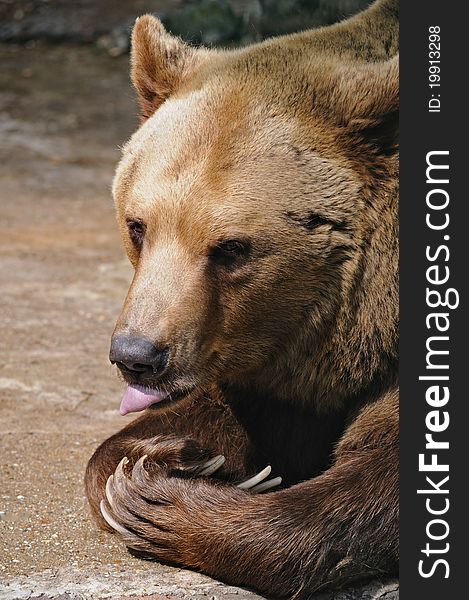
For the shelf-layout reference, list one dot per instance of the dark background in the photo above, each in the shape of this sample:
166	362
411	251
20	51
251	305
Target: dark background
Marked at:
209	21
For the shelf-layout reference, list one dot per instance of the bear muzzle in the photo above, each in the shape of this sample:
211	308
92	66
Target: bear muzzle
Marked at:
138	357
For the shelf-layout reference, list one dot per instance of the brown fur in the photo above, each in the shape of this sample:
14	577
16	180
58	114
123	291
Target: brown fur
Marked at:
288	355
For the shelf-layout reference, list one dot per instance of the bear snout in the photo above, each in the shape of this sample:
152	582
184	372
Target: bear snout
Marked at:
137	356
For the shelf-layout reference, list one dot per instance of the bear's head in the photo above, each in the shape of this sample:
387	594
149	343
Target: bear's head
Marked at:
257	204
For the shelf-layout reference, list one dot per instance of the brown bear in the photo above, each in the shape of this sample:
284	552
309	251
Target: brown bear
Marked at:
258	205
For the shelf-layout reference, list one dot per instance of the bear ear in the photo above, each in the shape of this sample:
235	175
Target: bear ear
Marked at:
366	100
159	63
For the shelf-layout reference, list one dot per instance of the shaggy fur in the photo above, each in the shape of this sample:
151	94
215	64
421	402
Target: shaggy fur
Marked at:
282	354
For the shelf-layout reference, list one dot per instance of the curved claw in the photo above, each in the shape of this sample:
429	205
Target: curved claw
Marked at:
211	466
139	473
266	485
109	489
111	521
119	480
251	482
119	472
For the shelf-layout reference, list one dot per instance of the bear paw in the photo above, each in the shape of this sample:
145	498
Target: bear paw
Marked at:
149	508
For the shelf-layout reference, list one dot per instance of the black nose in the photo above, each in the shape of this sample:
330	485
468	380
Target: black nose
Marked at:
137	355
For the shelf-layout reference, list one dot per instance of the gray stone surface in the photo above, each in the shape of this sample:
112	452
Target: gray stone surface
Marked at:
109	582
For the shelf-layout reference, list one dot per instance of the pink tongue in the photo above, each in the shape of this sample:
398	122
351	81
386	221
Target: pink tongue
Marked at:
137	398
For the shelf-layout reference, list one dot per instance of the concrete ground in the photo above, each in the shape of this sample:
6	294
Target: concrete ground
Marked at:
63	275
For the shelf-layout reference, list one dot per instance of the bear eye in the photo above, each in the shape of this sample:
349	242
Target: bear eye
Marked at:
137	230
229	251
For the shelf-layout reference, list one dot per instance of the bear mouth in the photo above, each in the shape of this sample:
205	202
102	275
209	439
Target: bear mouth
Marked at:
139	397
